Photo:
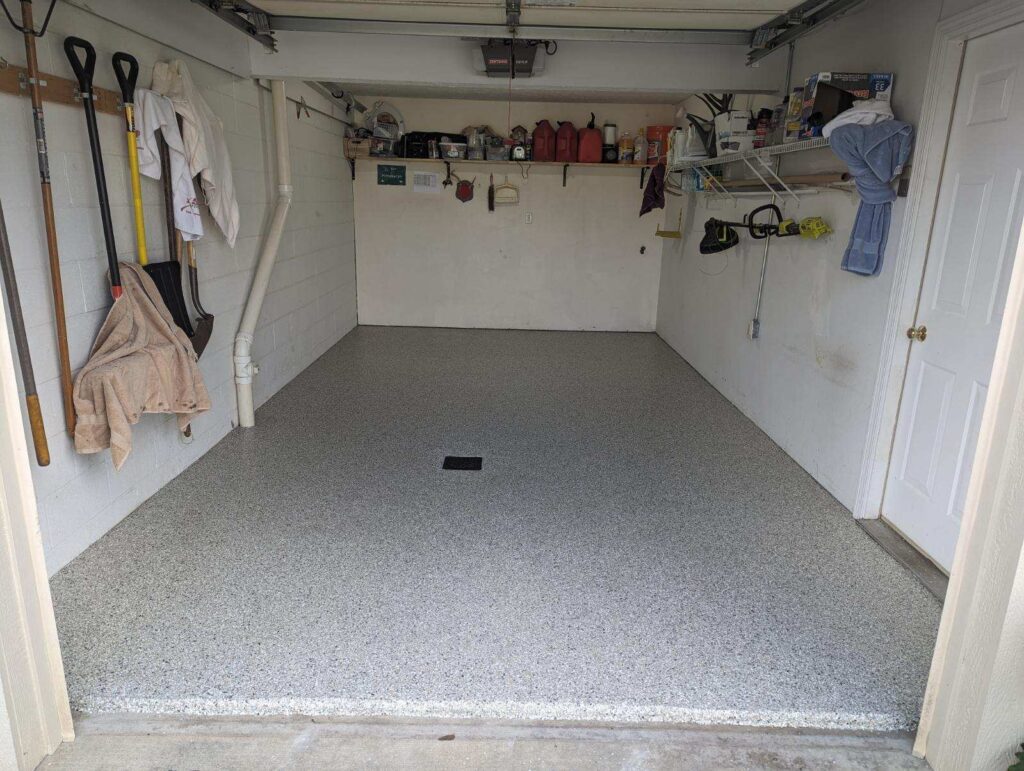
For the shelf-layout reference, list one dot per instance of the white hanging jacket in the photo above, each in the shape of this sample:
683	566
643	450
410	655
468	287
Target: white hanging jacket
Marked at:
153	113
205	148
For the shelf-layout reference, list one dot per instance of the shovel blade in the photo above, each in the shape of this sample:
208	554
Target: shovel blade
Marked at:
167	277
204	328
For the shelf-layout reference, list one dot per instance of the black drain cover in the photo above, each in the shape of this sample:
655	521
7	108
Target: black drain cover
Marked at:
462	463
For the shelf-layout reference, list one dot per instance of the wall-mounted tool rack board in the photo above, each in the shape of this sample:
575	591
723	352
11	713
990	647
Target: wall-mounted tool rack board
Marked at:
14	80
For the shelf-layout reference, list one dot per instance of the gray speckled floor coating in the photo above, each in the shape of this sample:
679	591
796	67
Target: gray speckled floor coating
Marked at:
634	549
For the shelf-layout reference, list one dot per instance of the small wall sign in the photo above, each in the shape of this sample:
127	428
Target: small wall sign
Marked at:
389	174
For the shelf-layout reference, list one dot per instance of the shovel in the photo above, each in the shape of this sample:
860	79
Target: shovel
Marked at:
166	275
84	71
203	328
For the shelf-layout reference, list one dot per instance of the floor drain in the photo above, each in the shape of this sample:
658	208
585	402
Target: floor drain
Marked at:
462	463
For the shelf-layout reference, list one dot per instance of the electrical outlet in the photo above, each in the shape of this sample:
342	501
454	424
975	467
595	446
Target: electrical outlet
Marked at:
529	218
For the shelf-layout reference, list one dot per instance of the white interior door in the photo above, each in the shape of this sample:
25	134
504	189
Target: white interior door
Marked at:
973	244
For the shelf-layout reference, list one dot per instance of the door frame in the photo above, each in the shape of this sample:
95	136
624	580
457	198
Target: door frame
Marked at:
35	716
941	89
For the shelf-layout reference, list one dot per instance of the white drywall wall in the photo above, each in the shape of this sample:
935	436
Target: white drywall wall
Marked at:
585	262
310	306
808	381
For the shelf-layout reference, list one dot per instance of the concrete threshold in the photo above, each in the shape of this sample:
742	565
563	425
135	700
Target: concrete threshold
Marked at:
146	741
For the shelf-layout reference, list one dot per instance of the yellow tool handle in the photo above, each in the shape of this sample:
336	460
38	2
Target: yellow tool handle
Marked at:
133	166
35	420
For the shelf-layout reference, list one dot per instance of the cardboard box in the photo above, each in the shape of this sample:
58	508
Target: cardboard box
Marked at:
732	132
826	94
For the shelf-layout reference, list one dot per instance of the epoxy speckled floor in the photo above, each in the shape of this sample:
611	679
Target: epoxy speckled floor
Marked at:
634	549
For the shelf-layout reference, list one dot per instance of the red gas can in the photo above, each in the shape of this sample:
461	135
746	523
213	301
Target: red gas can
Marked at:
544	142
565	143
590	143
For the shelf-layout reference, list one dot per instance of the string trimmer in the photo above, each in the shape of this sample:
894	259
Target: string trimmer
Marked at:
720	235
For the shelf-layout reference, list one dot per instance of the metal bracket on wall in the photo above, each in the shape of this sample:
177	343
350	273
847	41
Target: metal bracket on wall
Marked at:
352	165
565	173
643	175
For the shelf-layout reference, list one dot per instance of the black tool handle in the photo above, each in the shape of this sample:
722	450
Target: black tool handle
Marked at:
83	70
769	228
126	80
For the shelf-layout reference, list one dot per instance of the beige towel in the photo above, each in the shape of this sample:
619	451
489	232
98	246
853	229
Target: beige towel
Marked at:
141	362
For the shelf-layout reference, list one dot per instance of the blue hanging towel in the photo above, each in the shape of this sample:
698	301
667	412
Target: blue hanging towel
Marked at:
875	156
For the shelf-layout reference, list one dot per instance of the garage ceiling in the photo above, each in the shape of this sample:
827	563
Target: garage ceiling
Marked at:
635	14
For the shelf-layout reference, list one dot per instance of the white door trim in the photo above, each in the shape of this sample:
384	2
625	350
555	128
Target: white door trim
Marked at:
34	716
912	250
970	715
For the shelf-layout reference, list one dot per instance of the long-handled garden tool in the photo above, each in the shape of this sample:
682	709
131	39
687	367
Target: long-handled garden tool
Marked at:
30	33
166	275
35	415
83	72
203	327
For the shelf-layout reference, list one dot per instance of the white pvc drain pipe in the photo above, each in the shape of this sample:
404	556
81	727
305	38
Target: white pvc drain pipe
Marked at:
245	368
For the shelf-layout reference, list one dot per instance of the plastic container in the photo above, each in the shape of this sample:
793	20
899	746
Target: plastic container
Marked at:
497	152
565	143
657	143
626	146
589	148
453	150
544	142
640	149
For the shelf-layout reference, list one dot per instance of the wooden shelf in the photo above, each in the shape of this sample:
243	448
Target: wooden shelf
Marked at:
519	165
463	161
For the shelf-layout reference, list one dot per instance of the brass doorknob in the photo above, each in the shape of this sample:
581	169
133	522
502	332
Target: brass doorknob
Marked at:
918	333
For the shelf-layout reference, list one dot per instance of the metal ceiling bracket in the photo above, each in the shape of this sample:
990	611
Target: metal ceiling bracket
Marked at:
796	23
527	31
512	14
244	17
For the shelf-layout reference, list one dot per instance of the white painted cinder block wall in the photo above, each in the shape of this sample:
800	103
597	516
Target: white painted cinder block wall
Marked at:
584	261
311	303
808	381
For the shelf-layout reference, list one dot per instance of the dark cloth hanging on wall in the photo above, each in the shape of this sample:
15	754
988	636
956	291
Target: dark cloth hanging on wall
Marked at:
654	193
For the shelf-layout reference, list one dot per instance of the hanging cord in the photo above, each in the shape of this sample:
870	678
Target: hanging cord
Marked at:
511	77
24	30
